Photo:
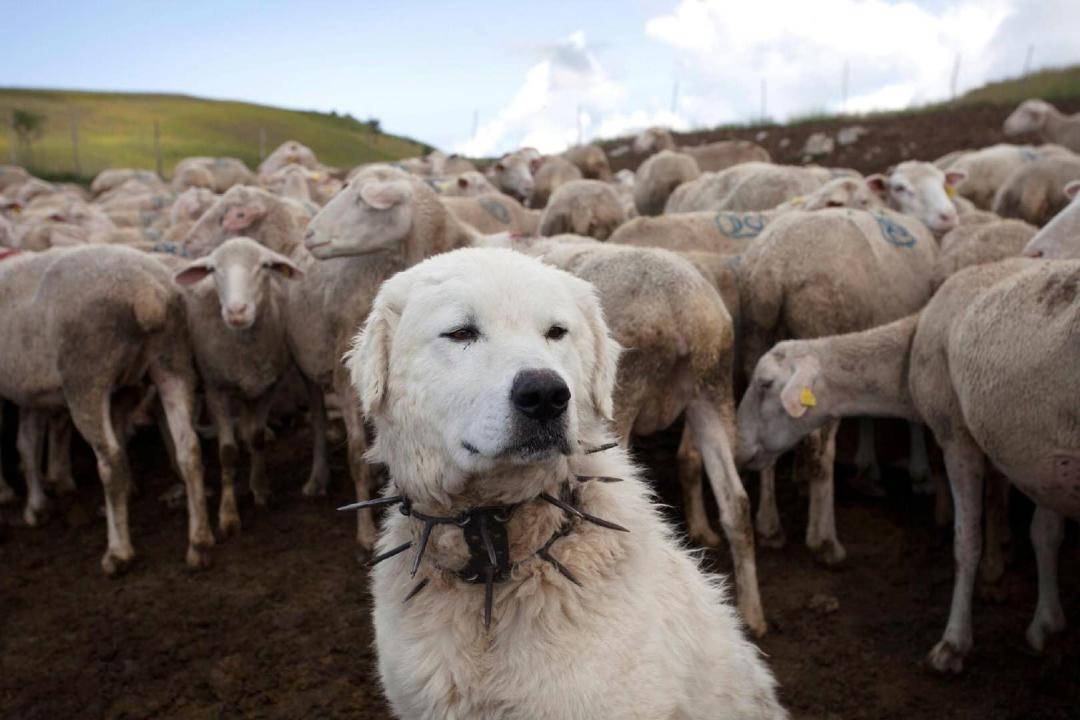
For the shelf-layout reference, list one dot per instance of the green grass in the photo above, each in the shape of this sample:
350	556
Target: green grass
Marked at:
1050	85
117	130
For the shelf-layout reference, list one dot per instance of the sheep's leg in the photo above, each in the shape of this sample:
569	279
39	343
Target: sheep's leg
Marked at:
93	418
31	443
918	459
992	566
7	495
359	469
943	512
714	435
177	399
1047	530
690	470
867	470
217	405
253	417
965	464
770	531
319	480
815	457
58	467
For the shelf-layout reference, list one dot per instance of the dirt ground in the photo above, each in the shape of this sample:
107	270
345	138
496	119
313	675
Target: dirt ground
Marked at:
279	626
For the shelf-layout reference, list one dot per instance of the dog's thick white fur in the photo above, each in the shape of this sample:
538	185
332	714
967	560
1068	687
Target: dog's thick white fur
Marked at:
647	634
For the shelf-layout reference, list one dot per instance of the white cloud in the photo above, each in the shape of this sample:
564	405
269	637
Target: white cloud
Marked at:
567	89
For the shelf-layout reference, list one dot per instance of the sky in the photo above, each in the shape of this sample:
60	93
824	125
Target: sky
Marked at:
485	77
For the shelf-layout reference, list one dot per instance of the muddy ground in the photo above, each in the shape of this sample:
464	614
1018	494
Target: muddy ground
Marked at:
279	626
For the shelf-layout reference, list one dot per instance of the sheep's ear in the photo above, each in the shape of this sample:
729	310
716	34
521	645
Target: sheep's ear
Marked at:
463	182
954	178
499	167
535	164
194	272
1072	189
281	265
385	195
798	395
878	184
606	353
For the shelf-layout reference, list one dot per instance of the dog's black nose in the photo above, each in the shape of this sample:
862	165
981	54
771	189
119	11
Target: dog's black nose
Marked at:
540	394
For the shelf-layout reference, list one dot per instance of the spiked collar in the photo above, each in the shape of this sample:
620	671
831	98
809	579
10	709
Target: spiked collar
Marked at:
484	532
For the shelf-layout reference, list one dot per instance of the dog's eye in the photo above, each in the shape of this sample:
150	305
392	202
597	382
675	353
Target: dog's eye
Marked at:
556	332
466	334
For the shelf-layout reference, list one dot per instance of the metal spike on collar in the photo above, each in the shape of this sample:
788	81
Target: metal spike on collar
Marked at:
493	560
425	535
389	554
416	590
489	594
567	507
597	478
600	448
377	502
563	570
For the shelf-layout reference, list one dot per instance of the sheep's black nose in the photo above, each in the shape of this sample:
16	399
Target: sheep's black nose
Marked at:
540	394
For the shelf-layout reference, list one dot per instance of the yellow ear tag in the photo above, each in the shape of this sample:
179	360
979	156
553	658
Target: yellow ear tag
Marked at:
950	191
798	200
807	398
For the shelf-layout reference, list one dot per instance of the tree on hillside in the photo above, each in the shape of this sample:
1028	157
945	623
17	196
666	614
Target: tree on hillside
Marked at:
28	126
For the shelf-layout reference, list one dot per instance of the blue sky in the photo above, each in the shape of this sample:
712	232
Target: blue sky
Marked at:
538	73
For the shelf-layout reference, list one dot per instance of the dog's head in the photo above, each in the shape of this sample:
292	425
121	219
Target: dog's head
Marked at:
479	362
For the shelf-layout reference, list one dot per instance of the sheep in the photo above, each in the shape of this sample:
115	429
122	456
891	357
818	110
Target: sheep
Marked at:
658	177
113	178
253	212
216	173
1035	191
988	168
513	175
676	330
1060	238
1046	120
11	177
554	172
96	320
623	185
710	157
493	213
404	221
287	153
749	186
923	191
877	268
590	160
457	165
987	366
237	327
583	207
7	233
977	244
653	140
467	184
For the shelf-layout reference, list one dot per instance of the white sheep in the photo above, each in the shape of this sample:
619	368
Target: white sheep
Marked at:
923	191
1035	192
513	174
710	157
288	153
493	213
749	186
658	177
554	171
1060	238
988	168
583	207
590	160
1043	118
216	173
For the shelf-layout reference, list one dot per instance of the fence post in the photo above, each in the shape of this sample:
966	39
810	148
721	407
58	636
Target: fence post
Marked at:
157	150
75	141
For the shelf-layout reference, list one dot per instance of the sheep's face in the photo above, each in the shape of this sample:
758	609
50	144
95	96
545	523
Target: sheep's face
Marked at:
843	192
243	271
1029	117
513	176
653	140
923	191
369	215
780	406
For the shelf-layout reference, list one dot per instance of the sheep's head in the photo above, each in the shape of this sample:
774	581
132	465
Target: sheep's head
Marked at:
243	272
921	190
513	175
653	140
781	404
1060	239
371	214
1030	116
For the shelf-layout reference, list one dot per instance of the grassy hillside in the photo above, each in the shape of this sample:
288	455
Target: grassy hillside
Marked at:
117	130
1050	85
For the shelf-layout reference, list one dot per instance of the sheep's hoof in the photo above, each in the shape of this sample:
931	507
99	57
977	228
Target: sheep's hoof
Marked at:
755	623
829	552
946	658
705	538
229	525
115	563
36	517
314	488
198	558
1040	630
774	540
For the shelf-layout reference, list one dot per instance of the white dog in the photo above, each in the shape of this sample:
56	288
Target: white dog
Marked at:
509	588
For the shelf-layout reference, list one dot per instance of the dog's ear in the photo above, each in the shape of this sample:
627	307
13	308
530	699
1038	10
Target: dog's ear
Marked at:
605	360
368	360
